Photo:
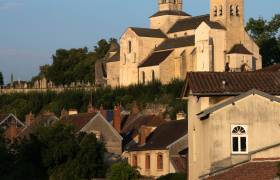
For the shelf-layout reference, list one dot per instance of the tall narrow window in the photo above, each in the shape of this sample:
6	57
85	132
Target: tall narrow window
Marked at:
153	75
215	11
124	59
221	11
159	161
143	77
148	162
239	140
129	47
231	10
134	160
237	11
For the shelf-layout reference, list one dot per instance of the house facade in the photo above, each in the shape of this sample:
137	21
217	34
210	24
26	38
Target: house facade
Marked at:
177	43
233	125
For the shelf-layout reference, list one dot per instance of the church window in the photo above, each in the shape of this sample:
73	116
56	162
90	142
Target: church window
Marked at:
143	77
239	139
134	160
221	10
153	75
159	161
231	10
148	162
124	59
215	11
237	11
129	47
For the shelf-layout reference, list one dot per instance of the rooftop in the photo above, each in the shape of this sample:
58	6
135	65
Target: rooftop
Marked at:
146	32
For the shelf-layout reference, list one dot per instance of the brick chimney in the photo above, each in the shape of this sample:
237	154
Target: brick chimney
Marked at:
103	111
29	119
117	118
144	133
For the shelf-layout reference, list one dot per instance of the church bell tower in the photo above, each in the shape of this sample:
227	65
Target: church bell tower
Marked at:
170	5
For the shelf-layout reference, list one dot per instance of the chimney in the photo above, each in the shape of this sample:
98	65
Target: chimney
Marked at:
117	118
103	112
90	108
63	113
29	119
144	133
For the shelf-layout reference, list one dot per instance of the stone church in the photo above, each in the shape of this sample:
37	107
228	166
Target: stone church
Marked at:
177	43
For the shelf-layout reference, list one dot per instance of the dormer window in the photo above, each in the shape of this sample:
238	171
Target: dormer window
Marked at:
239	139
221	11
215	11
237	11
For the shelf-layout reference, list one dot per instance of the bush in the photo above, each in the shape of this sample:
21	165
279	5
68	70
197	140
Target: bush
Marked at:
123	171
174	176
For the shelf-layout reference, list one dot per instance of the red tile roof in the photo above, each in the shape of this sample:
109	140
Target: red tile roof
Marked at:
231	83
78	120
275	67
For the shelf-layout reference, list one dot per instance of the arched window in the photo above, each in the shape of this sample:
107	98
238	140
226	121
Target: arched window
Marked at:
134	58
221	11
124	59
129	46
239	139
153	75
134	160
143	77
237	12
231	10
148	161
215	11
159	161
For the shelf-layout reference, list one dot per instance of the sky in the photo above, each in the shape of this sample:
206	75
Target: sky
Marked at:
31	30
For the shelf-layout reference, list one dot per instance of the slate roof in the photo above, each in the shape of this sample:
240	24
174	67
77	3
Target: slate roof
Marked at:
193	23
275	67
164	135
114	58
146	32
174	13
231	83
156	58
174	43
239	49
78	120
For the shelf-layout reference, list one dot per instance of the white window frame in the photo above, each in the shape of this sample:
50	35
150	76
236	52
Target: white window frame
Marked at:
239	140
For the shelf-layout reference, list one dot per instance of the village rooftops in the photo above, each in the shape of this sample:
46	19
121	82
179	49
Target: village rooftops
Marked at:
146	32
78	120
231	83
272	68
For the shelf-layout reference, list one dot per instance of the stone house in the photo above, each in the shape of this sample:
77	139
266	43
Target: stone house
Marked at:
177	43
233	124
157	152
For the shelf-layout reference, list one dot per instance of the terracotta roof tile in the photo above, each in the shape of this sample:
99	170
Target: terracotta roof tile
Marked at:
275	67
78	121
156	58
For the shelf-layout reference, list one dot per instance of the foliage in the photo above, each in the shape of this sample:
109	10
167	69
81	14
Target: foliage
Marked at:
6	158
266	34
22	103
174	176
1	79
123	171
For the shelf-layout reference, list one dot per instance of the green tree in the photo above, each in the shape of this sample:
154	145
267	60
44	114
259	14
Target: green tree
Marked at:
1	79
6	158
173	176
123	171
266	34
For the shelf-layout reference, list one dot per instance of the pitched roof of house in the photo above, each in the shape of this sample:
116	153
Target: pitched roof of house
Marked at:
78	120
172	13
164	135
114	58
275	67
208	111
231	83
193	23
173	43
156	58
239	49
146	32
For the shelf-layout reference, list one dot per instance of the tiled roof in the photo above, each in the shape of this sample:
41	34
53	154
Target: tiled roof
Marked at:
193	23
275	67
114	58
231	83
156	58
146	32
239	49
176	43
164	135
174	13
78	120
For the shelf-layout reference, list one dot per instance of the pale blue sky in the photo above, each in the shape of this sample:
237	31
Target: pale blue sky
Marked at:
31	30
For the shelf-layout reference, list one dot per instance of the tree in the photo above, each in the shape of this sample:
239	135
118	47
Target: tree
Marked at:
6	158
266	34
1	79
123	171
173	176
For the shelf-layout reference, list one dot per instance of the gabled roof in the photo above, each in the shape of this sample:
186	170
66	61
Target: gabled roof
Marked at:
239	49
231	83
193	23
272	68
164	135
114	58
78	120
156	58
7	117
114	47
146	32
171	13
207	112
173	43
